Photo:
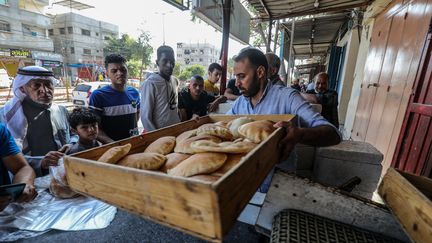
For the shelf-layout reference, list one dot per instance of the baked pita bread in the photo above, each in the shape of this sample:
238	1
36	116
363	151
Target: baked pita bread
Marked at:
184	146
163	145
214	130
221	123
173	160
204	163
236	123
114	154
232	160
224	147
257	131
143	161
186	135
205	178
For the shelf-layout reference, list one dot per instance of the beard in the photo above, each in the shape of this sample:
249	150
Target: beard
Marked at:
253	89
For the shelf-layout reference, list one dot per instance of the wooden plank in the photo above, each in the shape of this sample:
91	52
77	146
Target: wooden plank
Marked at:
236	188
291	192
176	202
408	204
423	184
198	208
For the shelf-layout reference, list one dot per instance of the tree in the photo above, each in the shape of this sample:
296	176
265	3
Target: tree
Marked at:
177	69
137	52
192	70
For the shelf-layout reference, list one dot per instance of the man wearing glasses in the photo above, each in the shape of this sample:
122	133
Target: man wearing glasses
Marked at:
159	93
39	127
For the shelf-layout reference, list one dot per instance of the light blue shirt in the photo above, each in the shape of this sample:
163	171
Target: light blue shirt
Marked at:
281	100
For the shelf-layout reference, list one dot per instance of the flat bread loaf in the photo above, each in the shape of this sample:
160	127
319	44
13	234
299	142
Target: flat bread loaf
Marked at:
163	145
114	154
143	161
231	161
224	147
257	131
185	135
221	123
204	163
184	146
215	130
173	160
236	123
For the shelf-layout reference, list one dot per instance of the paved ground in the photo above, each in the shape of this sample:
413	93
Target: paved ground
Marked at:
127	227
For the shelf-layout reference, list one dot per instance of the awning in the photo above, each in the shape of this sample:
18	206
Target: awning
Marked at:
80	65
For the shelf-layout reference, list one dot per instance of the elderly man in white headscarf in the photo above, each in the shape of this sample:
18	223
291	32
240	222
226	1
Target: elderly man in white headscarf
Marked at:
40	128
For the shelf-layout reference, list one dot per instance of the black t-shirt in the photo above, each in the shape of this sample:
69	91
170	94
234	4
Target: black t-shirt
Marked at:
231	85
198	107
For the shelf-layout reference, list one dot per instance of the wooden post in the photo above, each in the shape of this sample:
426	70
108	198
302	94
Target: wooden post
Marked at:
225	41
269	36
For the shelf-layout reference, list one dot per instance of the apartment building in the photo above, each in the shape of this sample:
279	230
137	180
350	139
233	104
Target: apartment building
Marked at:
197	53
81	41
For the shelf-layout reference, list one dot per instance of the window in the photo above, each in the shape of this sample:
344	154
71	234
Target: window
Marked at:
87	51
97	34
70	30
200	59
4	26
72	50
50	32
62	31
202	51
97	51
26	29
85	32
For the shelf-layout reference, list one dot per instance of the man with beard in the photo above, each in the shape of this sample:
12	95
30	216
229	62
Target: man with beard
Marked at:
159	93
117	104
194	101
39	127
259	96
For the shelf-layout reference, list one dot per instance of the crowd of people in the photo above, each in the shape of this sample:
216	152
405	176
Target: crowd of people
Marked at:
35	132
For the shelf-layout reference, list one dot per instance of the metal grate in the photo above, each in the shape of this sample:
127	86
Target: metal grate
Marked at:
297	226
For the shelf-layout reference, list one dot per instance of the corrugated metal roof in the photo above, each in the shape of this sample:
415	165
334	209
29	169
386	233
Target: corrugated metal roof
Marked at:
313	36
279	9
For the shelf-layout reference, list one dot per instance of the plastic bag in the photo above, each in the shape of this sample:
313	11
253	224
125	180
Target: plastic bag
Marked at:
59	186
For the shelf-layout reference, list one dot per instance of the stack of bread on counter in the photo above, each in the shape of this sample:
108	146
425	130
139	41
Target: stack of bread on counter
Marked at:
204	154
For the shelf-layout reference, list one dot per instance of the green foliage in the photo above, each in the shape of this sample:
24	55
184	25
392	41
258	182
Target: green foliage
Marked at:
137	52
134	68
177	69
190	71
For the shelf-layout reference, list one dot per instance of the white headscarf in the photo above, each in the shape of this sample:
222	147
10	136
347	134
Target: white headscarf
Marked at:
13	114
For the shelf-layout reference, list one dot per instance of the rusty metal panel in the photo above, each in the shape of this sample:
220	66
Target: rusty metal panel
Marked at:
413	148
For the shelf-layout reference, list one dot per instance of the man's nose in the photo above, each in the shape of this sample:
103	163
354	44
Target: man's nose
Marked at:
44	88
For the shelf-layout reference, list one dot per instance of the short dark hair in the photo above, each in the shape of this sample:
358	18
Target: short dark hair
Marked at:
164	49
275	61
198	78
214	66
80	116
255	57
114	58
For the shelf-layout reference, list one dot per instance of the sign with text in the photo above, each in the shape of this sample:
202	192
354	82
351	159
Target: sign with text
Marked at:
20	53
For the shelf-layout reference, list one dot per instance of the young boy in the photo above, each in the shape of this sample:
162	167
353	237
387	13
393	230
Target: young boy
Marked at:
84	123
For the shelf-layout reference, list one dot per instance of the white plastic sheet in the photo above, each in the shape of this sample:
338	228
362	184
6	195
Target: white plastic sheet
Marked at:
46	212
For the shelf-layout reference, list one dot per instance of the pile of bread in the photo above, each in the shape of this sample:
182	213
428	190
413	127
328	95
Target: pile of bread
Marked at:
204	154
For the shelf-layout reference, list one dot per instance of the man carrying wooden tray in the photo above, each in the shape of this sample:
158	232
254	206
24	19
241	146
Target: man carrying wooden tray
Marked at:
259	96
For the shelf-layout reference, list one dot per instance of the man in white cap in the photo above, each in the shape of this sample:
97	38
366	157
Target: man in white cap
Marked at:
40	128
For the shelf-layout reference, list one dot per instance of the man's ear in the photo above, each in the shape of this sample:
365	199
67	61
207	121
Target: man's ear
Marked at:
261	72
22	89
74	131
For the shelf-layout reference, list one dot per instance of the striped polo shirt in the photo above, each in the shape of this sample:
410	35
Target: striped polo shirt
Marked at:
117	111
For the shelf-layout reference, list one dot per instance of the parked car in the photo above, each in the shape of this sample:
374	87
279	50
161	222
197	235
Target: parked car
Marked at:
82	92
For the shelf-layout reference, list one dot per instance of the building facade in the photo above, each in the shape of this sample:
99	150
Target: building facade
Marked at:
197	53
24	36
81	41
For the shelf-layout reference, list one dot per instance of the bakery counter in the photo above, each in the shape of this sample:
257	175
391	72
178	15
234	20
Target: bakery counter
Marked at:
127	227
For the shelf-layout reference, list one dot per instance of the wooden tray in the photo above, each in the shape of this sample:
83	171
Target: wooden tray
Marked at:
409	198
206	210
